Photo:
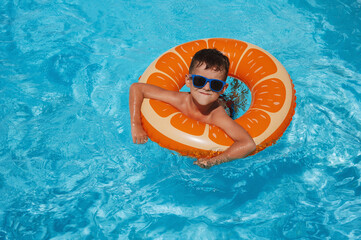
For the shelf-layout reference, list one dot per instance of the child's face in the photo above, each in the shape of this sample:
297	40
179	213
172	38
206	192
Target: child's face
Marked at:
205	96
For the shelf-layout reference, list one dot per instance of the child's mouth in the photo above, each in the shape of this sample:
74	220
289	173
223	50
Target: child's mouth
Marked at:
205	93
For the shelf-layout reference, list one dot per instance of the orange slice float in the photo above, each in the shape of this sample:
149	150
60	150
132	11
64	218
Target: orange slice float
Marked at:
271	111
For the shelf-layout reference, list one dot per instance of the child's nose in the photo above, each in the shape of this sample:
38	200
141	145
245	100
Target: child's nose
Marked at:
207	87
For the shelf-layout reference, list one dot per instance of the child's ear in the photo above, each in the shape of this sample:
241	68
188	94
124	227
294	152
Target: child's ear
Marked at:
188	81
224	88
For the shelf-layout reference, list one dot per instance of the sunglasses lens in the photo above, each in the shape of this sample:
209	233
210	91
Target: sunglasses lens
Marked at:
199	81
216	85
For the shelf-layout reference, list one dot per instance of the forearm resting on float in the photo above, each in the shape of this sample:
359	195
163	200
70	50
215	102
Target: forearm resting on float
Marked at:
136	97
237	150
137	93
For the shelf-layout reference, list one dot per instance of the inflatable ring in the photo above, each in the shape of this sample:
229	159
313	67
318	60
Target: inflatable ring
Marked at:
270	113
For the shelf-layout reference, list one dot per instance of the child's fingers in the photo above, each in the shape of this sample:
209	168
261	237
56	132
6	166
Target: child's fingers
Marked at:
203	163
139	138
142	139
199	163
139	135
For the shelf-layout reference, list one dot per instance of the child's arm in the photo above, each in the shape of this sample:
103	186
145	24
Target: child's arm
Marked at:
139	91
242	146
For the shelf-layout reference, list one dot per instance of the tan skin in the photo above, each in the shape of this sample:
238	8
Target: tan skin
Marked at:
201	105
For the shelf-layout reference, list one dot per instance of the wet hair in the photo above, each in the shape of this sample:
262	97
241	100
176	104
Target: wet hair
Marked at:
212	58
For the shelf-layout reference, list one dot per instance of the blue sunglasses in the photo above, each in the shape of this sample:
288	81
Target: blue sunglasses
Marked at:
200	81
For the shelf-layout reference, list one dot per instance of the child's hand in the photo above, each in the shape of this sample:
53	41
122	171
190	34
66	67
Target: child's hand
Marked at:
138	134
204	163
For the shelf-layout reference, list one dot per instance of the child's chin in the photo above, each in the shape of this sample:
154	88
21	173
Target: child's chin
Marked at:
205	101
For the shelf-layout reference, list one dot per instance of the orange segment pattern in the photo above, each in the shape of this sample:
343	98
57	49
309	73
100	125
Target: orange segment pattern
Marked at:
250	64
161	108
282	128
254	66
187	50
170	143
270	95
231	48
171	64
188	125
255	122
163	81
218	136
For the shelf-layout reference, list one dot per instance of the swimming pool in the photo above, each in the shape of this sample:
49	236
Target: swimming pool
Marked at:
68	169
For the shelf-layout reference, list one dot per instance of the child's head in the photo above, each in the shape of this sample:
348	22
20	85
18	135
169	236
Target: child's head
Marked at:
207	78
213	59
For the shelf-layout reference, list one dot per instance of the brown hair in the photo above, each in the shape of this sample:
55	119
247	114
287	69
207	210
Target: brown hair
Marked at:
212	58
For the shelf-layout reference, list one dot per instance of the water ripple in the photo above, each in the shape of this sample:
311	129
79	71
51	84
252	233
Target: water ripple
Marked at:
69	169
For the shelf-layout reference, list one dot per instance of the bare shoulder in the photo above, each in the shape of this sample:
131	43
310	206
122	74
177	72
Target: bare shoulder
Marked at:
221	119
219	114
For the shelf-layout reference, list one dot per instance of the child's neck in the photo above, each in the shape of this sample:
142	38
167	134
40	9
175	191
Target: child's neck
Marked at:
200	112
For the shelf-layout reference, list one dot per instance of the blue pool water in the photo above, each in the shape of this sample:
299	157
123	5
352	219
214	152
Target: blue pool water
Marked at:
68	168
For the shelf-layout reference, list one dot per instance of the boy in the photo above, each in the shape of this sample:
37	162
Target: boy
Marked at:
207	81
